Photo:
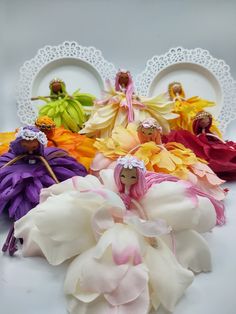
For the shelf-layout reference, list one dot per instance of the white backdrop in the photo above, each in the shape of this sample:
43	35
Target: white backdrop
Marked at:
128	32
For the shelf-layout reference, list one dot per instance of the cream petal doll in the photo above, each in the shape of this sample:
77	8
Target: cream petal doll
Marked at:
122	106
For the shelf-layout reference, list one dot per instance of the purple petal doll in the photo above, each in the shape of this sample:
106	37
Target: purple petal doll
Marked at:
28	167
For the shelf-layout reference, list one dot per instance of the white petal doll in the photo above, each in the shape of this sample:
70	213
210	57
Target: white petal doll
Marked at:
152	196
122	255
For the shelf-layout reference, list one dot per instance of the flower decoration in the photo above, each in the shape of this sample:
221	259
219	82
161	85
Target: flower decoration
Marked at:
31	135
56	80
150	123
130	162
202	114
45	123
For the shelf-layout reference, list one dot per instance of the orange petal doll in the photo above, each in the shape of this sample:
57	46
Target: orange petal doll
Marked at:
78	146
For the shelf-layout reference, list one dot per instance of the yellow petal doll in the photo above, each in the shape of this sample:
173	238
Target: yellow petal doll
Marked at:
145	143
187	108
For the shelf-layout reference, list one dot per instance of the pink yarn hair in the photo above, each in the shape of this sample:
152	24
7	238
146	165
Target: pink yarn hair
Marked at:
153	178
137	190
147	179
129	93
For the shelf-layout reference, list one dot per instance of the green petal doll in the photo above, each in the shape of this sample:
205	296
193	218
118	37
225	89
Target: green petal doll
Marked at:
70	111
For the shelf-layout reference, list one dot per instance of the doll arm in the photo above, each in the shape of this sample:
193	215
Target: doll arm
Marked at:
48	98
215	136
141	211
133	150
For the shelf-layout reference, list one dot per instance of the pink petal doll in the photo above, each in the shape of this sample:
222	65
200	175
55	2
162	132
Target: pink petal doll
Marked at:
117	272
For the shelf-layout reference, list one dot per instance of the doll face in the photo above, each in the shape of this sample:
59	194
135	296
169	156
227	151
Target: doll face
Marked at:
128	177
56	87
147	134
30	146
177	89
123	79
48	130
148	131
204	122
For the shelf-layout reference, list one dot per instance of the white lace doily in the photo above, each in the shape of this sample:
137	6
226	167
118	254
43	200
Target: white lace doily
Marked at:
81	67
201	74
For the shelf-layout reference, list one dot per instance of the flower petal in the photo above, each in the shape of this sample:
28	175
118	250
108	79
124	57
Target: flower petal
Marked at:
130	287
168	279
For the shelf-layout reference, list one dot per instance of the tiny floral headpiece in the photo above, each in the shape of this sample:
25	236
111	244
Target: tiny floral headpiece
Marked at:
130	162
31	135
56	80
45	123
123	71
202	114
150	123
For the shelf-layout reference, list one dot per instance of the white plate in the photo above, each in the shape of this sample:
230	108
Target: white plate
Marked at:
201	75
79	67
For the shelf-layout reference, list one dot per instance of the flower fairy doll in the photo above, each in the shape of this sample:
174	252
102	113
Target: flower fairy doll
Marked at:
70	111
187	108
78	146
131	228
206	144
173	158
25	169
121	106
106	236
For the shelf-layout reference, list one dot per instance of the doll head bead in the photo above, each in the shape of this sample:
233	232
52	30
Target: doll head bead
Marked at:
176	89
30	140
46	125
128	176
202	120
30	146
57	86
123	79
130	172
149	130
